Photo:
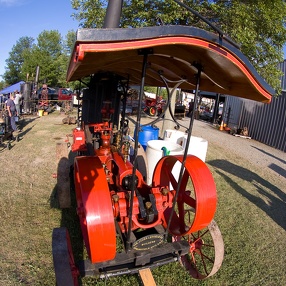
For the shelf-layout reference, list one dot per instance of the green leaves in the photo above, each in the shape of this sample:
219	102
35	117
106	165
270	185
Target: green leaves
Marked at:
16	59
257	25
51	53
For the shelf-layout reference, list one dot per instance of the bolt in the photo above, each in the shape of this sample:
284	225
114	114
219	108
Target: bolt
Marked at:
164	191
148	205
115	198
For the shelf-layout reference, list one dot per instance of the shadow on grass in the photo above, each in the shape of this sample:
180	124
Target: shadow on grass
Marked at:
276	198
274	167
25	121
7	141
69	217
269	154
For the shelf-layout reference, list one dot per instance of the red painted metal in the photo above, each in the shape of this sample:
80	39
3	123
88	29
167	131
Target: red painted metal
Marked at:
196	202
102	195
94	209
103	192
78	140
104	182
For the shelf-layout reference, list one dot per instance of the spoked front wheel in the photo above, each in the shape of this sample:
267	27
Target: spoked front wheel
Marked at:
206	252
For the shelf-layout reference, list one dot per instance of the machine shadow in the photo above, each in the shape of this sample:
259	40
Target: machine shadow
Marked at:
276	197
270	155
280	171
25	121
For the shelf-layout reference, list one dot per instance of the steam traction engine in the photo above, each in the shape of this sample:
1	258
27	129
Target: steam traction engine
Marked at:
126	224
156	224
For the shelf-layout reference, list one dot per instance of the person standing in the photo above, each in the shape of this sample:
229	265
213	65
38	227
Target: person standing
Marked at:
17	100
11	108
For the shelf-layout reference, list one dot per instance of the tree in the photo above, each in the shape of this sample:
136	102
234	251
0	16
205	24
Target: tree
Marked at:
257	25
2	84
86	12
48	55
51	53
68	44
14	63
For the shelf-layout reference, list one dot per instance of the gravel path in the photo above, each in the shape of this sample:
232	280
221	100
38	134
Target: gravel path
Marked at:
256	153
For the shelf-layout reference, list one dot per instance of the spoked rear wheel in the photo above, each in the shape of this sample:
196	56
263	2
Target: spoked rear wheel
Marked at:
206	252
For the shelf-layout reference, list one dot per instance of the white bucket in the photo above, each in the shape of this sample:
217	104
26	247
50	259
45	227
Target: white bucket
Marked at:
198	146
154	153
174	136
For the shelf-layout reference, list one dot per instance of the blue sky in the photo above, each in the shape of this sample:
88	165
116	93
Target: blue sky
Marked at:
20	18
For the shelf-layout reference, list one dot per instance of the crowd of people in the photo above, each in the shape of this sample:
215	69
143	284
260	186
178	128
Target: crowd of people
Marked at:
11	107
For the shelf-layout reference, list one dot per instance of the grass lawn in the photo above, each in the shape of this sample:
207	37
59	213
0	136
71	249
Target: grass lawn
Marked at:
251	214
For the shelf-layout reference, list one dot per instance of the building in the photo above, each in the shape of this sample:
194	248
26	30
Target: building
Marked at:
266	123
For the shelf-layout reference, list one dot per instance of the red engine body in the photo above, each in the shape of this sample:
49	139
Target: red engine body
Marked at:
109	189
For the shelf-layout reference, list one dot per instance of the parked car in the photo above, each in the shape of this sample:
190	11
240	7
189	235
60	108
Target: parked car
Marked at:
65	94
52	93
206	115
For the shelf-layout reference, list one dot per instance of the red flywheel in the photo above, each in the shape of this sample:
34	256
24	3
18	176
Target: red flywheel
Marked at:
196	201
94	209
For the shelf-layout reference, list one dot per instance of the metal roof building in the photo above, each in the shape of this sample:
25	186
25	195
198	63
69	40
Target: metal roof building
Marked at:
266	123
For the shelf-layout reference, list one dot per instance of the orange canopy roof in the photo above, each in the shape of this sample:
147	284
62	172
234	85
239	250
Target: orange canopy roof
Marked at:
174	52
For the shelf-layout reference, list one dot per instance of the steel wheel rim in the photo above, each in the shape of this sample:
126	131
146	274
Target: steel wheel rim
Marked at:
206	252
64	264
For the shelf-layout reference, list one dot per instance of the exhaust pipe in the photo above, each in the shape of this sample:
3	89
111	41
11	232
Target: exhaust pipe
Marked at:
113	14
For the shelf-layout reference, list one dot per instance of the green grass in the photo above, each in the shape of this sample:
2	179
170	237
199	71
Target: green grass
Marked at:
250	213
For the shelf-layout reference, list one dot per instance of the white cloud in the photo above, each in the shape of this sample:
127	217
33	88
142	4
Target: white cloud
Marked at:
11	2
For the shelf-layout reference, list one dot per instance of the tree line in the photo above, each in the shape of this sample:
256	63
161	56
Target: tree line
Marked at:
50	52
258	26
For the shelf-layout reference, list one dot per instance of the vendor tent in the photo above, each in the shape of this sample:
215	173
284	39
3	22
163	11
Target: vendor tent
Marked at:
12	88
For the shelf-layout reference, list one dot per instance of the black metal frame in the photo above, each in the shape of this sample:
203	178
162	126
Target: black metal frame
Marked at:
133	261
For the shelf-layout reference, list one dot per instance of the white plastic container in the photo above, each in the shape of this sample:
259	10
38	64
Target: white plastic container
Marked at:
198	146
174	136
154	153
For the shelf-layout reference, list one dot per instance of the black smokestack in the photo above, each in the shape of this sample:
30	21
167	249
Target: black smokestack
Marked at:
113	13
